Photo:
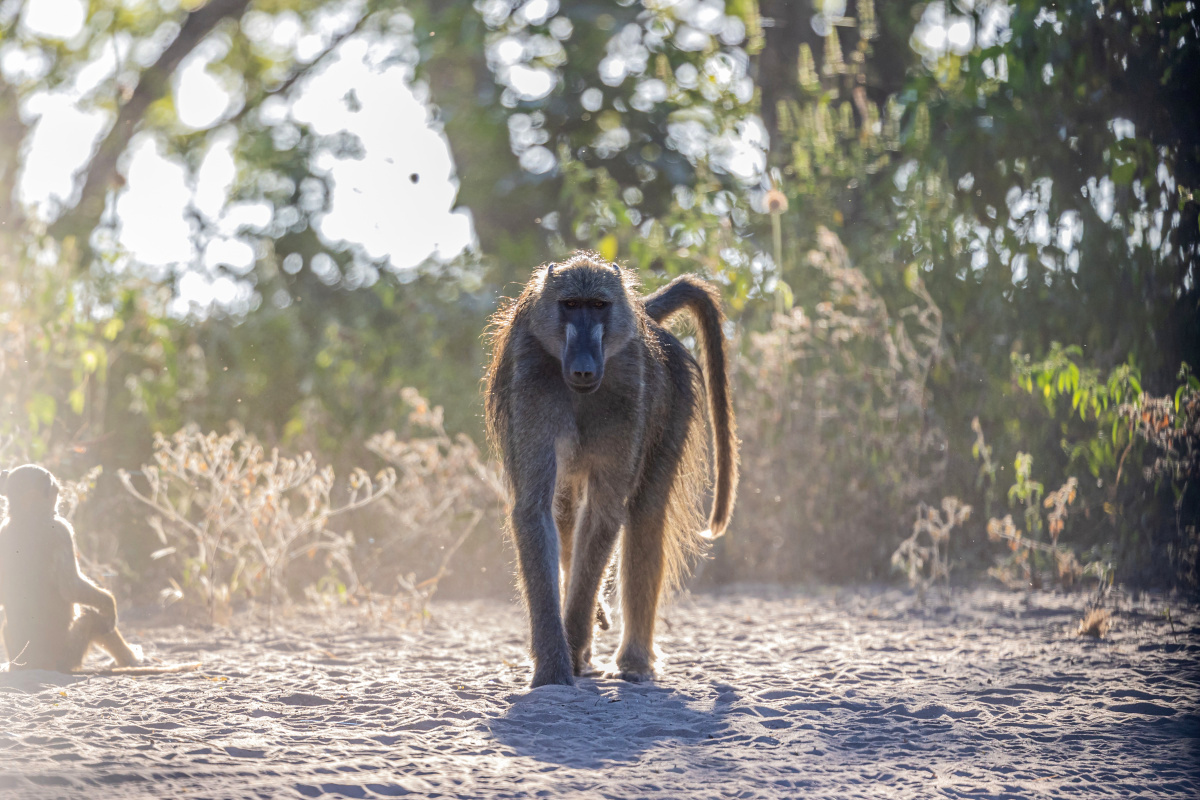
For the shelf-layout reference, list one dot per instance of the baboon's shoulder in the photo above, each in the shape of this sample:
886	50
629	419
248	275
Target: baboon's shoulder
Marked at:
62	533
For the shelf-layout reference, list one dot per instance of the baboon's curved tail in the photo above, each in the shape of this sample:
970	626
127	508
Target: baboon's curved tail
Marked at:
704	301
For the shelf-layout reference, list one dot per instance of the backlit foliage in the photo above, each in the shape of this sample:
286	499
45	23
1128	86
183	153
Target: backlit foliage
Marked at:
834	404
1005	230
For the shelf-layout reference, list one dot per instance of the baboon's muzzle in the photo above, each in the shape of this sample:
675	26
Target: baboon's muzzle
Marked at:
583	373
583	349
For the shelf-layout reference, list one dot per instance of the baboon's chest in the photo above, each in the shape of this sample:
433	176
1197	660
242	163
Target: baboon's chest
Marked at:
609	428
603	438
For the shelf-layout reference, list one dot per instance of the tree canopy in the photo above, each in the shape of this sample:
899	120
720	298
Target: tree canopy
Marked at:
1021	173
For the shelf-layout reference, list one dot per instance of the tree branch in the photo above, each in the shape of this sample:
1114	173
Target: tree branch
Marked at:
12	133
301	71
101	172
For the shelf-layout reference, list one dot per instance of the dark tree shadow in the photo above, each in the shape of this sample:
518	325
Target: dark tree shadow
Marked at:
600	722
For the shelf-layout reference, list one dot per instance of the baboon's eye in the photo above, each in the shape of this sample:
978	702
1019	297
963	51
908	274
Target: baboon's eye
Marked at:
571	303
599	304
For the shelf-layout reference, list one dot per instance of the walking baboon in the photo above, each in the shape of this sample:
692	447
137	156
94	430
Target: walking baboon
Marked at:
40	583
598	413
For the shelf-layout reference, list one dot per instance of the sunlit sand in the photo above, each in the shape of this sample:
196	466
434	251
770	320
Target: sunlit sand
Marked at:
849	693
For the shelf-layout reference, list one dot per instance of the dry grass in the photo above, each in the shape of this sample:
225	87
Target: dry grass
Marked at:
1096	623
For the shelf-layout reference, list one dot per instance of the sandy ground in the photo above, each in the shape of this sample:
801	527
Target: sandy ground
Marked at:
764	693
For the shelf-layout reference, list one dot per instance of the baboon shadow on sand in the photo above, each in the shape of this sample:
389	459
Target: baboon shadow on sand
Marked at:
588	727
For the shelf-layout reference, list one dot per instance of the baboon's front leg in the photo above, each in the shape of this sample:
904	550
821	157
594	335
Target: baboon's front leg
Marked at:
642	568
115	645
566	505
599	524
537	555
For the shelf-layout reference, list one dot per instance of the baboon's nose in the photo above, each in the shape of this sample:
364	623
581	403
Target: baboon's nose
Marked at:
583	375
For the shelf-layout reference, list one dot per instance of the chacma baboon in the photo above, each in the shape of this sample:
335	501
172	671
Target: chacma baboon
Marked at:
40	583
598	413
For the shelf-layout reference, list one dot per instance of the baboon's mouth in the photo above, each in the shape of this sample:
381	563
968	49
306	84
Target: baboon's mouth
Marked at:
584	388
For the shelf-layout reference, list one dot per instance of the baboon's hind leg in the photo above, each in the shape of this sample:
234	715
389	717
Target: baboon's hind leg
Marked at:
599	524
602	609
91	627
642	566
566	507
86	629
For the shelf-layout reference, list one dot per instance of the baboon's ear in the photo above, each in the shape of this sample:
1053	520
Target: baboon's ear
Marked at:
616	267
549	269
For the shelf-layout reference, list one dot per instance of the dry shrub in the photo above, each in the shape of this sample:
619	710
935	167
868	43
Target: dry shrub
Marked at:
1022	569
234	518
837	441
1171	425
925	564
73	493
445	489
1033	562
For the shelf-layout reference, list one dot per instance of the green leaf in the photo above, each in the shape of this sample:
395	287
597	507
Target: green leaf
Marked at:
786	295
42	409
293	429
607	247
1123	170
76	400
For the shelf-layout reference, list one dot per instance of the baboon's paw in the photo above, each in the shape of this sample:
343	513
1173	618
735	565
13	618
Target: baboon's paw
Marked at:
558	673
552	680
584	668
582	664
634	670
633	676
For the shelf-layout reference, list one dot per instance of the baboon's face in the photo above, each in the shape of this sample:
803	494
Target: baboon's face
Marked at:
585	318
29	490
583	321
